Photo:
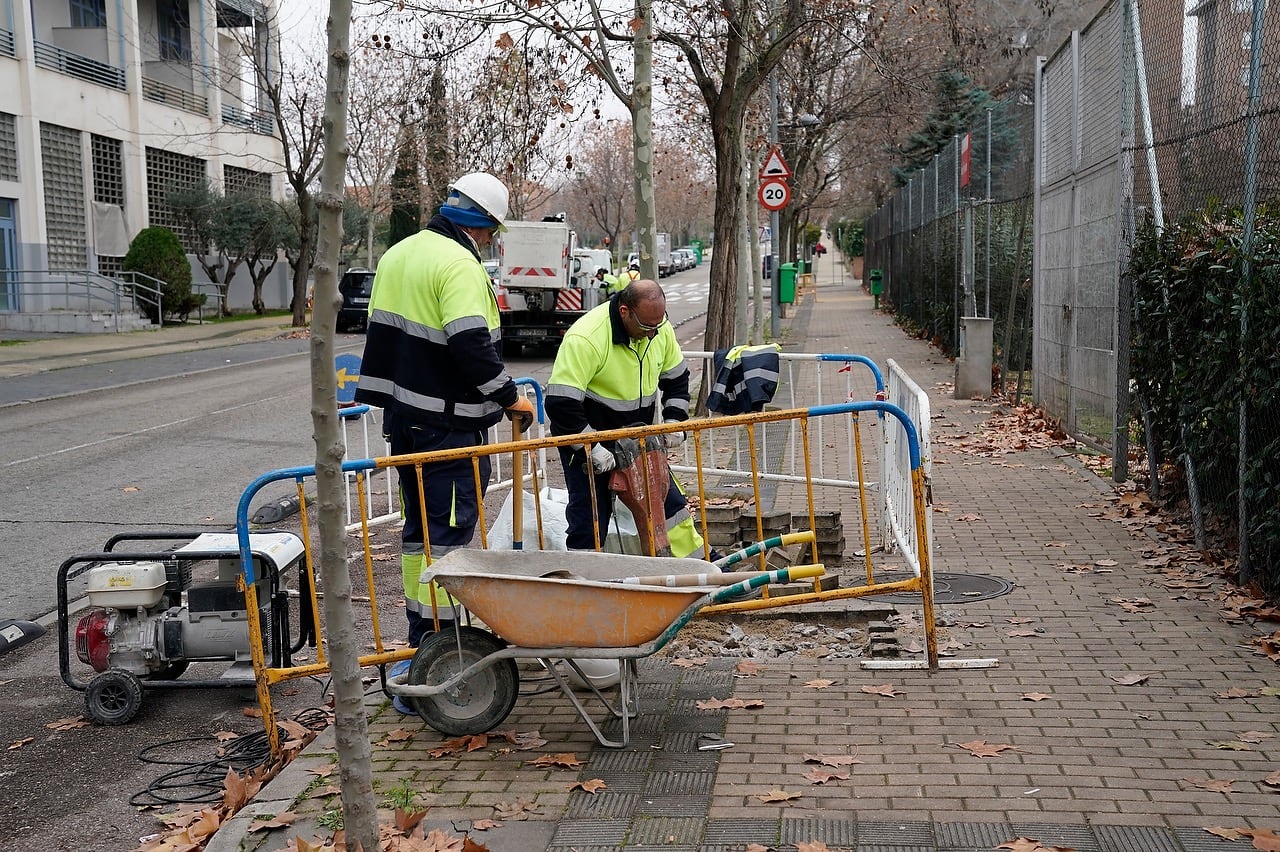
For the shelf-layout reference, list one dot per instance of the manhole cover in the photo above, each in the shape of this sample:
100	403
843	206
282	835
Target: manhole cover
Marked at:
950	589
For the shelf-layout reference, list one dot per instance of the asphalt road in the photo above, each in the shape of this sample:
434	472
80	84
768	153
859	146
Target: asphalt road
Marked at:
164	442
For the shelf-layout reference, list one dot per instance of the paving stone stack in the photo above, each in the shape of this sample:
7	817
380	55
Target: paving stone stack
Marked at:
827	531
722	527
772	523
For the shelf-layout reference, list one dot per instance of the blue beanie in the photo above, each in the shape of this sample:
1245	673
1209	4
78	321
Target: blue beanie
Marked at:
462	211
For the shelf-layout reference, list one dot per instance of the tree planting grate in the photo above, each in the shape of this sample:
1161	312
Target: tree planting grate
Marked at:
948	589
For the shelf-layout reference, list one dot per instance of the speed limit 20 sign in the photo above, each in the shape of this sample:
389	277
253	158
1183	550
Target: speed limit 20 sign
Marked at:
774	194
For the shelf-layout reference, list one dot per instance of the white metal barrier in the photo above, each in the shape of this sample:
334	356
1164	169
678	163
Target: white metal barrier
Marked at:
804	381
382	490
897	518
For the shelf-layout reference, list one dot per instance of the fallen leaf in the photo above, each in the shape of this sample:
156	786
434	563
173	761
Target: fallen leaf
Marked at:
1264	839
1235	692
1255	737
1105	563
819	683
689	662
1231	834
439	841
730	704
982	748
776	796
1132	679
17	744
885	689
399	735
69	723
406	821
1020	620
520	809
1230	745
1210	784
822	776
593	786
1021	634
831	759
129	489
564	760
812	846
485	824
1273	779
1035	696
749	668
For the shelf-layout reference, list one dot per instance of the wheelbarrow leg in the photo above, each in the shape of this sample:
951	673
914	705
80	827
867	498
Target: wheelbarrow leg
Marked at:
624	709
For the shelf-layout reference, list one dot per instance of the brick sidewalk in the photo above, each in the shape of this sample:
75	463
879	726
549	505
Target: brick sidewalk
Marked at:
1092	764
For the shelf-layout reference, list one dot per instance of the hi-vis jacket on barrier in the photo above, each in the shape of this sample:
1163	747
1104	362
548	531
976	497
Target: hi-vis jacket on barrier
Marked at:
603	379
746	378
431	354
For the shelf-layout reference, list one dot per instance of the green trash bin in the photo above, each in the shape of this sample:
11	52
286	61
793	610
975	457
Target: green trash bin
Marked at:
877	285
787	283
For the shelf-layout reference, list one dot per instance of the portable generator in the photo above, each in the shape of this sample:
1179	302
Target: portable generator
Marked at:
143	616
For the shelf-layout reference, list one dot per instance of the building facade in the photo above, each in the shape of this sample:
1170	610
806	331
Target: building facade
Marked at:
105	107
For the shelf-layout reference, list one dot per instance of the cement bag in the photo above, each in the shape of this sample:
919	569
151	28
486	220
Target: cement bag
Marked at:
554	526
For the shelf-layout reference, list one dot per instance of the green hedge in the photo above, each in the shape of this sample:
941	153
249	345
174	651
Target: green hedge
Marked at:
1203	346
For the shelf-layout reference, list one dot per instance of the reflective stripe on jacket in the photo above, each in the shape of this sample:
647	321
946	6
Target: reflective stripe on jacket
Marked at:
431	351
603	379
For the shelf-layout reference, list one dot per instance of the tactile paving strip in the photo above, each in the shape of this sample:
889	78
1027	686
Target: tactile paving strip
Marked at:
963	836
832	832
1132	838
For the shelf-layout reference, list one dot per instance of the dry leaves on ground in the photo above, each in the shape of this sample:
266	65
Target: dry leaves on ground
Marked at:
689	662
518	810
831	759
776	796
1210	784
822	776
982	748
730	704
562	760
1027	844
1035	696
885	689
1130	679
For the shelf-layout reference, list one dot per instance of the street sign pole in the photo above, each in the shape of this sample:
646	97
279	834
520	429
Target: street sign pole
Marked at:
775	304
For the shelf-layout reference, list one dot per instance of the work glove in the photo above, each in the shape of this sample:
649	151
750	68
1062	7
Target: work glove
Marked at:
521	414
602	461
673	440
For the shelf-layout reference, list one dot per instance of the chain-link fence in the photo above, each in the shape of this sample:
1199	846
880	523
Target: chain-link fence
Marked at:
1156	262
957	240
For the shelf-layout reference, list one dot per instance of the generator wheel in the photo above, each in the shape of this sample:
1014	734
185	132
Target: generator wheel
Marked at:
476	705
113	697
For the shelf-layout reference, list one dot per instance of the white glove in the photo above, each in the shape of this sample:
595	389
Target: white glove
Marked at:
673	440
602	461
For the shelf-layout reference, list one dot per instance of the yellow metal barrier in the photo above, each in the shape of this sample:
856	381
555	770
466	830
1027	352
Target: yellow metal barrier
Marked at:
882	415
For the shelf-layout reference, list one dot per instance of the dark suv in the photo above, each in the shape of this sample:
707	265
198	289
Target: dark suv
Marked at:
355	287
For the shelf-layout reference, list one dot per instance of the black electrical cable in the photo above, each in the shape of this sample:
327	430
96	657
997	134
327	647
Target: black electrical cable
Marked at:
203	782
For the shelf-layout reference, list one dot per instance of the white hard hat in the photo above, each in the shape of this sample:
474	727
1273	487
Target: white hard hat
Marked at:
487	193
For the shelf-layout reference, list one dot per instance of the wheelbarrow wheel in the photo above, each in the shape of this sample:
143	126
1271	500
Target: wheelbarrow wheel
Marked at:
113	697
479	703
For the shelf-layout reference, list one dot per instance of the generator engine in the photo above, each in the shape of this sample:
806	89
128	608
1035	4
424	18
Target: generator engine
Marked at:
140	623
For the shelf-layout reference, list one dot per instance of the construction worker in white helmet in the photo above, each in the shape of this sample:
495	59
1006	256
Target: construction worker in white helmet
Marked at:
432	361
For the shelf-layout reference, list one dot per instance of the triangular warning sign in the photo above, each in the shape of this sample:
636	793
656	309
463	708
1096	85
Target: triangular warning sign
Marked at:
774	165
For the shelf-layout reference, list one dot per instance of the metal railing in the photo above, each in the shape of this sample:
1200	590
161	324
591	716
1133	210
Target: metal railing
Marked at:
86	290
65	62
258	122
163	93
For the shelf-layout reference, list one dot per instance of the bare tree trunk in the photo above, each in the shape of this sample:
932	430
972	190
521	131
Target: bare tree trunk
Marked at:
725	259
359	808
743	283
306	255
642	140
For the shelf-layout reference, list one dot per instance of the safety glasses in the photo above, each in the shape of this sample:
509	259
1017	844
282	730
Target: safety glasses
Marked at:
644	327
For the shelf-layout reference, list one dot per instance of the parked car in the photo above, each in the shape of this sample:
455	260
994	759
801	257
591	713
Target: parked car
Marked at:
356	285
